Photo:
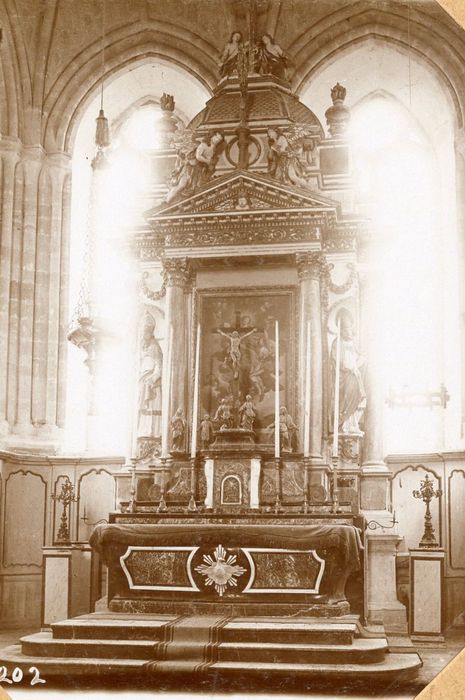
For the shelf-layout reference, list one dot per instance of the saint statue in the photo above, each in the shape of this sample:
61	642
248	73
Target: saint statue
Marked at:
230	54
178	430
352	397
270	58
223	416
149	417
247	413
195	164
287	430
206	432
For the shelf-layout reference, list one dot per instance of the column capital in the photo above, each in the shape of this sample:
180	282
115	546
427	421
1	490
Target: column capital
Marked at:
177	272
310	265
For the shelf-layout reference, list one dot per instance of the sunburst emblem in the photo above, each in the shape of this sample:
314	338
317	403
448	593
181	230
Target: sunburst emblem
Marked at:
220	571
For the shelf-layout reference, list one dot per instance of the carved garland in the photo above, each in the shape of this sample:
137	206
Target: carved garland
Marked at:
149	293
339	288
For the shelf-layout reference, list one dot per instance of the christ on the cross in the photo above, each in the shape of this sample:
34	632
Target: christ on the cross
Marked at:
234	352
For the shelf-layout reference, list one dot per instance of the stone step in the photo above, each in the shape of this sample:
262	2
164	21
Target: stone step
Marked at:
49	667
282	631
393	667
43	644
112	626
361	651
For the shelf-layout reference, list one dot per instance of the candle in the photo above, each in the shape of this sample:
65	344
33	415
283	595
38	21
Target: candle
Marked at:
195	398
307	396
336	392
276	392
166	394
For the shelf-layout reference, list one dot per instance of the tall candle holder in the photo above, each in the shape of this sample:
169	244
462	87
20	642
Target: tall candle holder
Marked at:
427	492
66	497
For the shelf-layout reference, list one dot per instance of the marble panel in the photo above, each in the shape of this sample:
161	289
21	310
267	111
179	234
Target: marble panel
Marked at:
56	593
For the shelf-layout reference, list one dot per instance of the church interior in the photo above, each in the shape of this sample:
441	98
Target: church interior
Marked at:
232	367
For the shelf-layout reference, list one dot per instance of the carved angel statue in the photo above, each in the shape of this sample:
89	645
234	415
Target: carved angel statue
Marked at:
228	64
270	58
287	154
196	162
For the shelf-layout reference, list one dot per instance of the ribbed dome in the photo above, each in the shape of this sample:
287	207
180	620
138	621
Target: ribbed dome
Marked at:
269	101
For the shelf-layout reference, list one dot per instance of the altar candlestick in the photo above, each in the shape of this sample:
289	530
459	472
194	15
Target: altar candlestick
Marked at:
166	390
336	392
276	392
195	399
307	395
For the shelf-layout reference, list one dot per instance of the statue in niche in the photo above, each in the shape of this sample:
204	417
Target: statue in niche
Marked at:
223	416
286	155
206	432
178	431
149	417
247	413
270	58
228	64
352	396
234	352
196	162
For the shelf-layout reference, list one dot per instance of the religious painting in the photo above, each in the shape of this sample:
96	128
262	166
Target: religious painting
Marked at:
238	357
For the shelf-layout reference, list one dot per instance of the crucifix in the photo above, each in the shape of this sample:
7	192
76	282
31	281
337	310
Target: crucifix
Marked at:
235	335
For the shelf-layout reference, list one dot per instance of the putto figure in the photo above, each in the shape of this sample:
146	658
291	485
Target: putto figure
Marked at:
228	64
196	162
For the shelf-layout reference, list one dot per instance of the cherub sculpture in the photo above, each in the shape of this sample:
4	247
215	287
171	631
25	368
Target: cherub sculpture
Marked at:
196	162
287	151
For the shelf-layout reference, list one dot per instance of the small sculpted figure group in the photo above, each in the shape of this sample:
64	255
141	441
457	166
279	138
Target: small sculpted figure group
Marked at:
267	56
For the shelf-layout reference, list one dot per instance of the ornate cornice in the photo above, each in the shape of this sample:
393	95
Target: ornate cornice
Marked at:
177	272
310	266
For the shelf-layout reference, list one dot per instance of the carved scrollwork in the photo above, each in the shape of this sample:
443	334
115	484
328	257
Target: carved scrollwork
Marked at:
149	293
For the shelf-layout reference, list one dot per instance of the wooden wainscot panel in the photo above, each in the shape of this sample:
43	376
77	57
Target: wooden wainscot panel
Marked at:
24	519
456	519
20	602
410	511
96	498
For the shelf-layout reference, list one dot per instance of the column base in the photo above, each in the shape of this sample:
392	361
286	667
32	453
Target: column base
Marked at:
392	615
36	442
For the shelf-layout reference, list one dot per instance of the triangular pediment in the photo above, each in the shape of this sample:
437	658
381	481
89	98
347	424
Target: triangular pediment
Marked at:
244	192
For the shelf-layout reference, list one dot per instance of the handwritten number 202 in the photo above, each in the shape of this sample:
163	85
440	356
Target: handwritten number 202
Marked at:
17	675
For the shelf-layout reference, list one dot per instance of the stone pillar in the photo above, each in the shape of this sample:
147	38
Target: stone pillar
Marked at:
309	268
383	606
34	291
177	277
9	156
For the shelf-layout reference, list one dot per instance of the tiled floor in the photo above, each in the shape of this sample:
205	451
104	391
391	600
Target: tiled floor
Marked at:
434	660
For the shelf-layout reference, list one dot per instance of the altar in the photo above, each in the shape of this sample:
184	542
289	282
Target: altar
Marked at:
237	541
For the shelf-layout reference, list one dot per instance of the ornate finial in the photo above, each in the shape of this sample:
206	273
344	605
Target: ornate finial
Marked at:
338	116
167	102
427	493
338	93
